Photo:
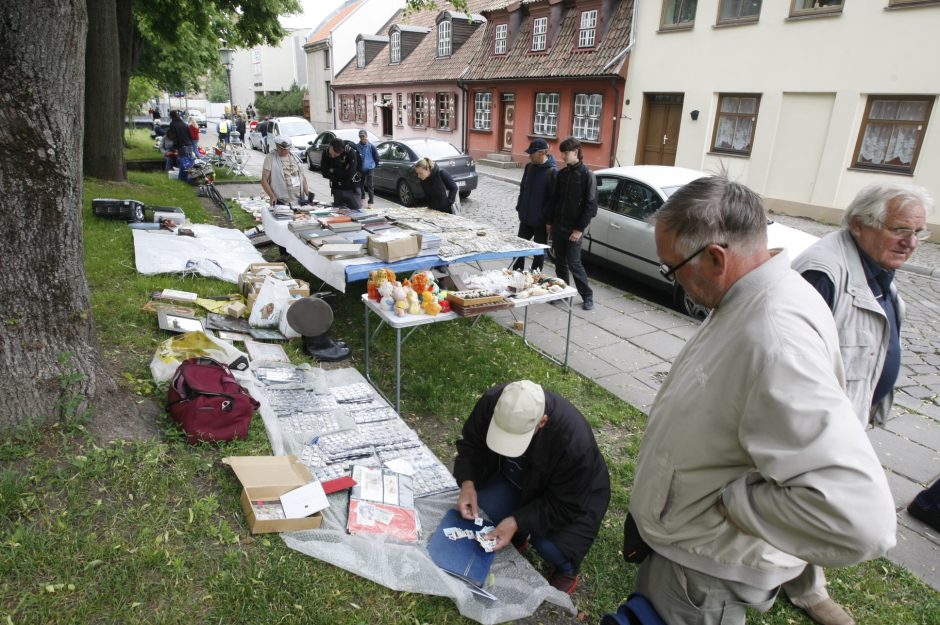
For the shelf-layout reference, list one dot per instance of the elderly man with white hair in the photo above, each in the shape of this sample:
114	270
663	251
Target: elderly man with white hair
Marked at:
853	269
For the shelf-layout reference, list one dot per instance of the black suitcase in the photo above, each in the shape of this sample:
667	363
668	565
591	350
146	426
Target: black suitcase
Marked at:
128	210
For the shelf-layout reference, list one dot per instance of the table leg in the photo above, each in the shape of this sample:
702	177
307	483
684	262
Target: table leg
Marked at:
398	370
568	336
367	343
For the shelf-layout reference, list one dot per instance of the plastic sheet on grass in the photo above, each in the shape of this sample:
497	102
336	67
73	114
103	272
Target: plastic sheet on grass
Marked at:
214	252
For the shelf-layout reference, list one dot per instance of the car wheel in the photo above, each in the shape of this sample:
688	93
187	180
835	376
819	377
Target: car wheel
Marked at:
464	194
405	195
688	307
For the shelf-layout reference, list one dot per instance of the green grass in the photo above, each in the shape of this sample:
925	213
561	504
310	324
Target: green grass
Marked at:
140	146
152	532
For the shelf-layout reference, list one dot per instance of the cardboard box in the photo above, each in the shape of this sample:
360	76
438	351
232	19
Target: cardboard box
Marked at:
266	478
392	249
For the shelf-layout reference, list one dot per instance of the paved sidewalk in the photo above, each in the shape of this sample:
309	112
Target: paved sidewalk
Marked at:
626	345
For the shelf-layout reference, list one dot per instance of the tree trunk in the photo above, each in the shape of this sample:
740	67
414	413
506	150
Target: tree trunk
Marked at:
49	362
104	106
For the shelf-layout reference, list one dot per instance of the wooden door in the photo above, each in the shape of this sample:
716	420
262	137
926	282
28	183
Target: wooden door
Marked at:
507	120
663	119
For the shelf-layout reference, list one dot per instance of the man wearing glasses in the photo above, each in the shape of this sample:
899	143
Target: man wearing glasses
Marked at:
853	269
737	487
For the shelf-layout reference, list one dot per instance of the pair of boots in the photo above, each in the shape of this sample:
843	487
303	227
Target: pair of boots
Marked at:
325	349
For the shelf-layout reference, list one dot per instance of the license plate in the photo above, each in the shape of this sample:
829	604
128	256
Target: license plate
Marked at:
461	183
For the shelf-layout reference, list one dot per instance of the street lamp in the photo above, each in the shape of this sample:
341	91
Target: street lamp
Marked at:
226	55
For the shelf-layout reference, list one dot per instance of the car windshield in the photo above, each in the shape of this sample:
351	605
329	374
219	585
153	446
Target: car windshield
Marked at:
434	149
296	128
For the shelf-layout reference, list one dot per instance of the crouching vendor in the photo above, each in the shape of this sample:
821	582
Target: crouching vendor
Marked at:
528	459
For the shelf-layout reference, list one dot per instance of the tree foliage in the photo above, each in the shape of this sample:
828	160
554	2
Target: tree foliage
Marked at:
217	86
290	102
140	90
412	6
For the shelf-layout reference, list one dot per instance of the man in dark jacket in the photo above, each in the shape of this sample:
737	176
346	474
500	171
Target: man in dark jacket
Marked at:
573	208
528	458
340	165
535	199
178	132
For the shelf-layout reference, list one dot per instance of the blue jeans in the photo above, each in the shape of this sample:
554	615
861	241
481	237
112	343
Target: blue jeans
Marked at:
499	498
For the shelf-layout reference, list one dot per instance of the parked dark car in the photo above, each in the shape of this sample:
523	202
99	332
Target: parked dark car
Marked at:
395	172
319	145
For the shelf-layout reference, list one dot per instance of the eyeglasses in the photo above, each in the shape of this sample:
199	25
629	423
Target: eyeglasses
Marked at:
669	273
906	233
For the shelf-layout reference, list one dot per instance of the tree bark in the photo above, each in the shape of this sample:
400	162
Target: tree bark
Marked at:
105	92
49	362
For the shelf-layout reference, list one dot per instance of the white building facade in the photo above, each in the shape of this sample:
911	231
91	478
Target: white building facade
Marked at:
805	101
269	69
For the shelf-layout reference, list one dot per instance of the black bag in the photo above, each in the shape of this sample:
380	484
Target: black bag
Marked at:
635	549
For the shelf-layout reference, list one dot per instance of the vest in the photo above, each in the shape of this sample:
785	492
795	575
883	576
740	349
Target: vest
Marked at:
860	319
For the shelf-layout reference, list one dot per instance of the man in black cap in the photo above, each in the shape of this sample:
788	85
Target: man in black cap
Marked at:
340	165
528	458
573	207
535	199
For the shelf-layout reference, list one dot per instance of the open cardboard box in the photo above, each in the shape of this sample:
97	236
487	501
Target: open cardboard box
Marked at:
391	249
266	478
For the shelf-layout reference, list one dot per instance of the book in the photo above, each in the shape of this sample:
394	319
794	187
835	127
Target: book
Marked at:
382	502
463	558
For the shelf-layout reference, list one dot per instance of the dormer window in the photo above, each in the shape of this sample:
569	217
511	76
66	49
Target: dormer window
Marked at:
360	53
502	34
395	47
587	34
539	33
443	38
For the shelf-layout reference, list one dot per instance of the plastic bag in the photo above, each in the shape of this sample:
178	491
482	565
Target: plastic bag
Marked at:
271	302
173	351
285	328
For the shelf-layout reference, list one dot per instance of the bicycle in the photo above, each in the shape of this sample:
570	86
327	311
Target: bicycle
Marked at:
203	170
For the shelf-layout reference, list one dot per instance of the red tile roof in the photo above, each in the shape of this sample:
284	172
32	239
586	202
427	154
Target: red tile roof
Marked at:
327	26
563	59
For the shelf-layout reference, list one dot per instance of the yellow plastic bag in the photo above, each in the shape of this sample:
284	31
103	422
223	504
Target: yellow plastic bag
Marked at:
173	351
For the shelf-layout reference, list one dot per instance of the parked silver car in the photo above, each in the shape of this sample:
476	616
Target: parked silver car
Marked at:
396	173
622	237
300	131
316	147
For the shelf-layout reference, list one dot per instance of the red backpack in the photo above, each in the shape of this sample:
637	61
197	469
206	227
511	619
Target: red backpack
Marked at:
208	402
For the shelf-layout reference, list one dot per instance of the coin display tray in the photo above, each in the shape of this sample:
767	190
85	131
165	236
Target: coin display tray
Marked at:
353	393
372	414
344	444
394	434
289	401
305	423
269	375
431	476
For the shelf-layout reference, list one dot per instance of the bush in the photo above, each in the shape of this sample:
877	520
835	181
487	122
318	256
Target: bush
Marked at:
290	102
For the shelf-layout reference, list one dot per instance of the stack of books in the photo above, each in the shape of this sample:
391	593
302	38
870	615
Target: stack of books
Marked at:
344	226
282	212
339	251
430	244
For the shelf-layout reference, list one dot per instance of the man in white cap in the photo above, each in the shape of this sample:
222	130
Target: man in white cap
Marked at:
282	176
528	459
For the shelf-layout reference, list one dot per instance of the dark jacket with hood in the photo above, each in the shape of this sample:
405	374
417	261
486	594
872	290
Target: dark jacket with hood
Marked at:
565	483
440	189
575	201
536	191
342	170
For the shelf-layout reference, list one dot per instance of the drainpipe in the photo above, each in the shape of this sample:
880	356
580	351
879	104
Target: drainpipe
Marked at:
616	131
464	133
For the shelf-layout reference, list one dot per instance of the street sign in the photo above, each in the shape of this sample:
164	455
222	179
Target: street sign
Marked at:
179	94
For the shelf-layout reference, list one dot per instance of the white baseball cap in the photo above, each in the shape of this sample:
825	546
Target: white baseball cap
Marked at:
282	142
517	415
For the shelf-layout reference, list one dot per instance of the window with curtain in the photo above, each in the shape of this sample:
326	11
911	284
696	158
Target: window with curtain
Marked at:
361	108
892	132
500	38
399	108
360	53
444	110
587	34
587	116
482	110
802	8
678	14
443	38
345	108
738	11
394	46
546	114
735	123
539	33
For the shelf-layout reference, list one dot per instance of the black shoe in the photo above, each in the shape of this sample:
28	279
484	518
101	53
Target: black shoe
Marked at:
928	515
334	353
588	304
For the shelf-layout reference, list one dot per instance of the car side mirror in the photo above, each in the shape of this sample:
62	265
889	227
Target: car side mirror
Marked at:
309	142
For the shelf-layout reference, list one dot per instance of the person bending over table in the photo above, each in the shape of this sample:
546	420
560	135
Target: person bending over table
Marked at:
529	459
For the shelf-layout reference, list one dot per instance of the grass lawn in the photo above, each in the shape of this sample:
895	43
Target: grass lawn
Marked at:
152	531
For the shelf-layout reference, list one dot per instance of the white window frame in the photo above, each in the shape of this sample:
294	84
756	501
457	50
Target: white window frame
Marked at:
501	38
483	110
418	102
394	47
587	116
443	38
546	114
444	105
587	34
360	53
539	34
399	110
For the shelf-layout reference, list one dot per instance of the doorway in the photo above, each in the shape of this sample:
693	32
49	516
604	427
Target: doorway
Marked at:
386	114
507	119
659	134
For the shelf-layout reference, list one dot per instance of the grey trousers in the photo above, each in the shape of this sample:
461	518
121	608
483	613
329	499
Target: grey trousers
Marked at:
681	595
808	588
